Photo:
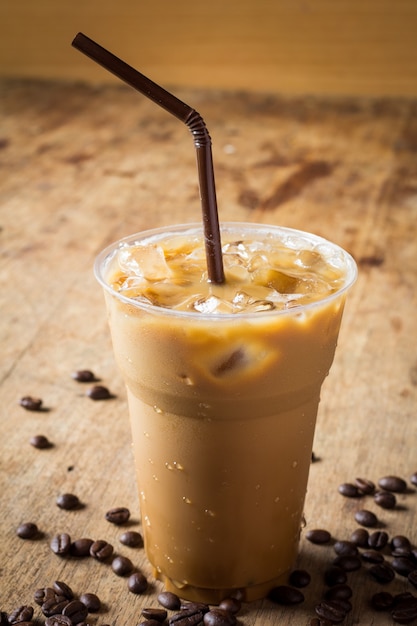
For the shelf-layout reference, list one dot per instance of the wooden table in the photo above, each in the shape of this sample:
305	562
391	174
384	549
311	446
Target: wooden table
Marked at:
84	165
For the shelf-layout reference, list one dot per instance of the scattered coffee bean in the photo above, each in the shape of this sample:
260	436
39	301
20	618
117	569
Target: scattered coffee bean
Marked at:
195	606
44	594
186	617
360	537
349	490
68	501
159	615
122	566
393	483
412	578
372	556
4	619
76	611
348	563
54	606
338	592
118	515
62	589
378	540
403	565
23	613
81	547
331	611
31	404
405	610
61	544
101	550
385	499
232	605
382	601
365	486
40	442
219	617
318	536
169	600
400	542
137	583
84	376
99	392
335	575
345	548
299	578
366	518
27	530
286	595
382	573
91	601
132	539
58	620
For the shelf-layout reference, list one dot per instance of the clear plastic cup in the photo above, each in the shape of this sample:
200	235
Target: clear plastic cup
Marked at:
223	408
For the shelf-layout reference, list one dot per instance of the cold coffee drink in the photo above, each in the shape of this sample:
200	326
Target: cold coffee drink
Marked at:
223	384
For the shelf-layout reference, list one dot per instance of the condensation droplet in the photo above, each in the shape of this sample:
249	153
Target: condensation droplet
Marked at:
157	410
257	487
186	500
147	521
303	521
146	434
209	512
294	464
178	466
155	477
169	466
277	499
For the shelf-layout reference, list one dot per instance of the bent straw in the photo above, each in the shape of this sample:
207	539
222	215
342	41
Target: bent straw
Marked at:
202	142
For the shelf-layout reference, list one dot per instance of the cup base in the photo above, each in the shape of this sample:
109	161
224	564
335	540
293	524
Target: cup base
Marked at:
215	596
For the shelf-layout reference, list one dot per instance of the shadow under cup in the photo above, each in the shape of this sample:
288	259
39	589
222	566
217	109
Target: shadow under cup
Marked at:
223	410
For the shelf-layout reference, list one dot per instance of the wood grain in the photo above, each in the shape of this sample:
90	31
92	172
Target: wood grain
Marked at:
83	165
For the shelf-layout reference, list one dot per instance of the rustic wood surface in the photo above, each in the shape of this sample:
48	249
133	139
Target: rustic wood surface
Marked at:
83	165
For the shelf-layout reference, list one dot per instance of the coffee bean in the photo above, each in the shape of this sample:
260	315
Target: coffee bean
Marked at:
40	441
403	565
61	544
4	619
101	550
76	611
122	566
58	620
118	515
81	547
412	578
132	539
345	548
348	563
99	392
393	483
195	606
378	540
84	376
405	611
338	592
186	617
286	595
169	600
232	605
137	583
366	518
318	536
68	501
330	611
62	589
31	404
371	556
219	617
159	615
382	601
91	601
27	530
349	490
335	575
365	486
385	499
382	573
299	578
54	606
400	542
360	537
44	594
23	613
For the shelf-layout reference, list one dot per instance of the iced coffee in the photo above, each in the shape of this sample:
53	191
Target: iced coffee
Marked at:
223	383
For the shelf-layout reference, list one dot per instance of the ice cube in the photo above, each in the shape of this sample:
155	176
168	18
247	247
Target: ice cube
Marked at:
148	262
211	304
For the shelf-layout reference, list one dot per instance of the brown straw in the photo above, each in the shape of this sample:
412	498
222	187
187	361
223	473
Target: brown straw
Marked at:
202	142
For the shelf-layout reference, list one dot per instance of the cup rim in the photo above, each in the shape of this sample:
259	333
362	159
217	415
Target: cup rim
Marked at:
106	255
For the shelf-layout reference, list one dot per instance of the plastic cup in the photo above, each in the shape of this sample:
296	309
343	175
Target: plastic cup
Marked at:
223	409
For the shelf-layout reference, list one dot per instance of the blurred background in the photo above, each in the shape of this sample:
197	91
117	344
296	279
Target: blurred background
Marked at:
333	47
